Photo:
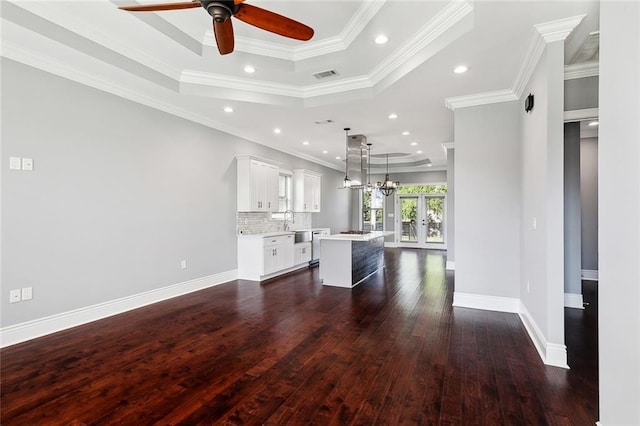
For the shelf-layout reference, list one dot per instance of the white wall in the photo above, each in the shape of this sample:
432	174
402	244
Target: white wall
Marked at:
487	199
119	195
542	256
619	214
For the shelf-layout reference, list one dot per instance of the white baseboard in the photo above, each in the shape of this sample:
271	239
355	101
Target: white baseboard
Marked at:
486	303
391	244
451	265
590	274
22	332
551	353
573	300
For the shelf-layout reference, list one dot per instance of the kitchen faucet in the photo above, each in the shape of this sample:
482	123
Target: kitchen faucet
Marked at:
286	223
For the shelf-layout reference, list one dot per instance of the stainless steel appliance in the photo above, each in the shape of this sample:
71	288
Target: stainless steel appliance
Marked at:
315	247
303	236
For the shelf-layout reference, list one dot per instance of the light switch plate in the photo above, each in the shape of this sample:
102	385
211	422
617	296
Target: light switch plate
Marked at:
27	293
14	163
183	264
27	164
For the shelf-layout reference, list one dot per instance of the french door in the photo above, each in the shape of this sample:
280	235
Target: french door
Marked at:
420	221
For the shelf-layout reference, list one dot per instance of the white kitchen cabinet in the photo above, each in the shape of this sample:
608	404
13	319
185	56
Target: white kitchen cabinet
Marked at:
306	188
302	253
261	257
257	185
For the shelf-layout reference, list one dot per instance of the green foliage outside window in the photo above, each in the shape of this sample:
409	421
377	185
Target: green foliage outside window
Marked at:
409	210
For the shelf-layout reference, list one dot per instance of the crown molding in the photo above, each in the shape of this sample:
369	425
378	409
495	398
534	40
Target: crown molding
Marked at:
436	27
349	33
447	146
582	70
51	12
532	55
560	29
218	80
43	63
542	34
480	99
581	114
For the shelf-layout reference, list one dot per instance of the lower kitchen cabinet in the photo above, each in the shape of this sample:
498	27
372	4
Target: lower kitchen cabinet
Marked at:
302	253
265	256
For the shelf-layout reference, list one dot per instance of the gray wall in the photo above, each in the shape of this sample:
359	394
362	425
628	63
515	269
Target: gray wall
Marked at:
119	195
619	214
487	199
542	256
572	209
589	202
581	93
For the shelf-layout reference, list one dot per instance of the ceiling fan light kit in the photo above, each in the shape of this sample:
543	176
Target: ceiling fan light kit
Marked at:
222	10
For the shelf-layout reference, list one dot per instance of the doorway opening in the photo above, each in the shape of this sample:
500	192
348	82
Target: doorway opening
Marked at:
420	218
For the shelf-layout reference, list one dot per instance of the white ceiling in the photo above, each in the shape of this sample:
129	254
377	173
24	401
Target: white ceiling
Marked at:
169	60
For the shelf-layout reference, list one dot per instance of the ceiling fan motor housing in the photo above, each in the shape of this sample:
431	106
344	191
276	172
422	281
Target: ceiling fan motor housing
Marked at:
220	10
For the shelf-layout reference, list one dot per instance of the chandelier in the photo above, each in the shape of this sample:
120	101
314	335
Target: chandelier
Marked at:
388	186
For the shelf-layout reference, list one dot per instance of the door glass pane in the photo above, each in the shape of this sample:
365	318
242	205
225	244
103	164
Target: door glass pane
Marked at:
409	208
435	216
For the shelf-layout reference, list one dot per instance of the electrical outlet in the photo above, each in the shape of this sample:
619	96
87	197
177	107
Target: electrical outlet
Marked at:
27	164
535	223
183	264
27	293
14	296
528	288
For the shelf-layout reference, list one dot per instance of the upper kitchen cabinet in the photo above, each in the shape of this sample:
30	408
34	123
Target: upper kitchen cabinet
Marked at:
257	185
306	190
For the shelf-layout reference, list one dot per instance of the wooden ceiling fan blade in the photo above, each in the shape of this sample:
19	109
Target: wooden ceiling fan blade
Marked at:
273	22
161	6
237	1
224	36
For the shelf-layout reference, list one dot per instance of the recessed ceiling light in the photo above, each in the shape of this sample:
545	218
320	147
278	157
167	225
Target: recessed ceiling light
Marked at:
325	152
460	69
228	109
305	143
414	143
337	158
277	131
381	39
249	69
393	116
429	164
593	123
418	152
406	133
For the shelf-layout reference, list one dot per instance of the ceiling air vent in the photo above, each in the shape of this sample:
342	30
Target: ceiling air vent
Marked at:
325	74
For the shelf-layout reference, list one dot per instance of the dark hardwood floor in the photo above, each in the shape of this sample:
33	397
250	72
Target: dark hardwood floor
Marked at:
289	351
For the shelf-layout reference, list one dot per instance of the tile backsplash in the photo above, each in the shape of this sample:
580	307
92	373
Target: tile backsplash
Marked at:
261	222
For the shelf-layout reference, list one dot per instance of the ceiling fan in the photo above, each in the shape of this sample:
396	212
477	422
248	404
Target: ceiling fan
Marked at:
223	10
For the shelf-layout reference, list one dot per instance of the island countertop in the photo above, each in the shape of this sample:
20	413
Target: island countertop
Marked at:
358	237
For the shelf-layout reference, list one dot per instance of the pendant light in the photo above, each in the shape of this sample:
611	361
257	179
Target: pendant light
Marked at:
346	183
388	186
368	187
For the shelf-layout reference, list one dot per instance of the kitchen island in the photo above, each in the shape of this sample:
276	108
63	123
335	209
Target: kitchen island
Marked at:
348	259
